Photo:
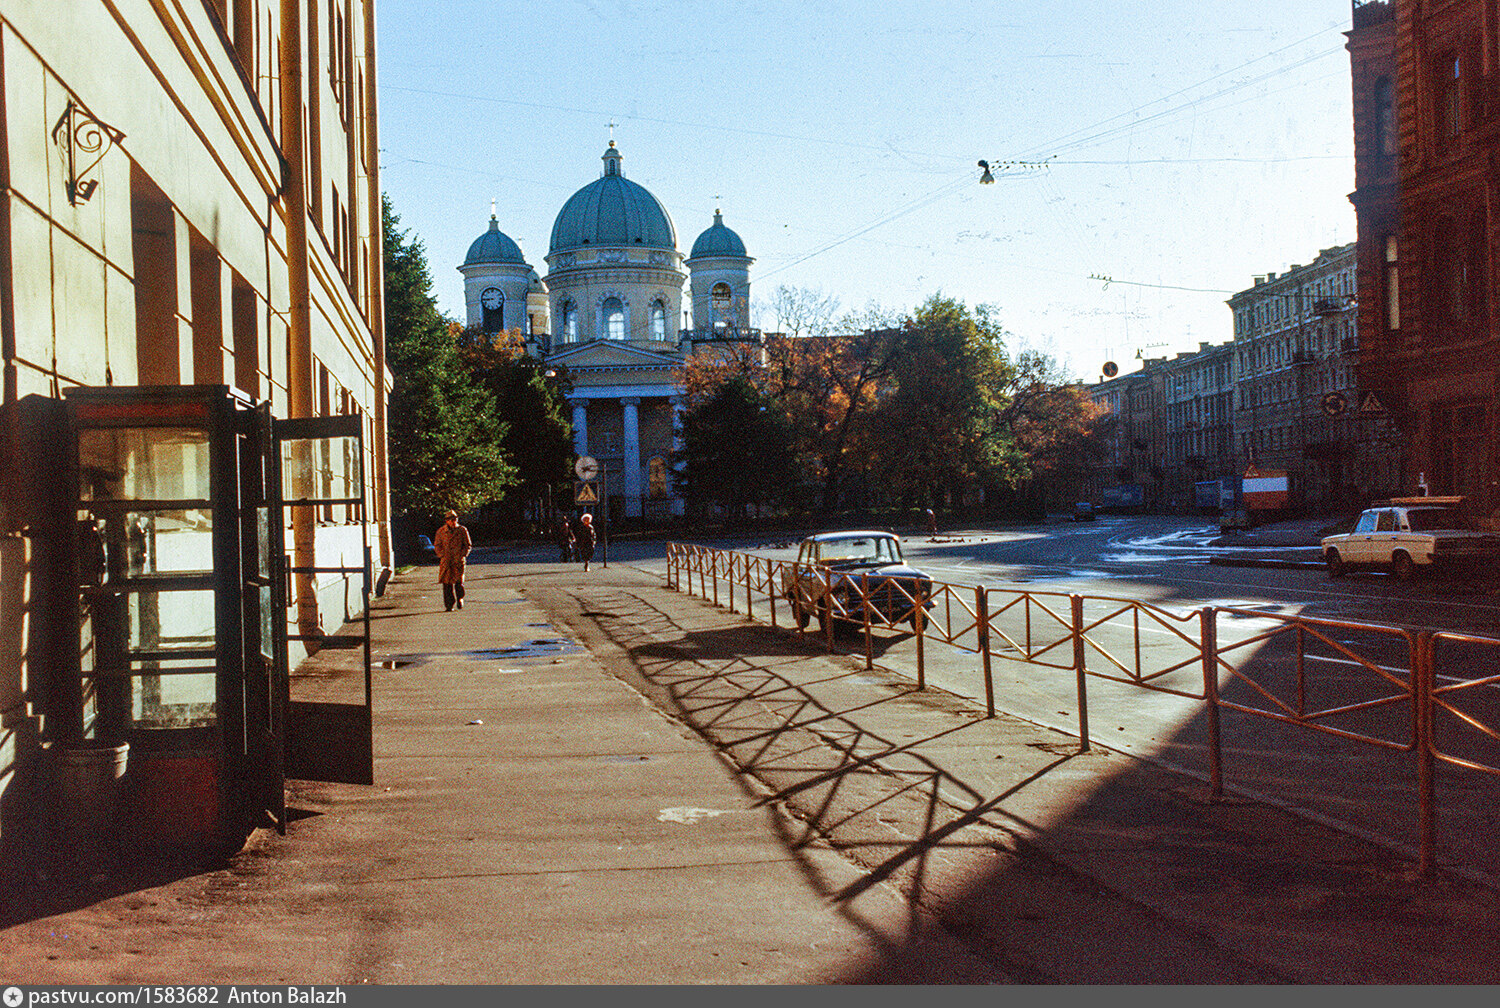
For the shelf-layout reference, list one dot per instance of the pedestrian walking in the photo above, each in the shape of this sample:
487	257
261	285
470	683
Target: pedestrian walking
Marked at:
931	523
452	544
565	540
586	539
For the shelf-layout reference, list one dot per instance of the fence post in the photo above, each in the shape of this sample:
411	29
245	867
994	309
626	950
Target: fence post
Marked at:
864	606
982	626
919	621
827	610
729	576
1424	678
749	577
1078	670
1209	634
771	589
713	567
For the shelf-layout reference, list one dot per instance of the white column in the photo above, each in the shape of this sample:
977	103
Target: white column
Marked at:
580	425
679	407
632	450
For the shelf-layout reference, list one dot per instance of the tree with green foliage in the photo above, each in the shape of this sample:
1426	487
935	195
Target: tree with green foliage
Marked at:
445	435
736	449
933	427
537	440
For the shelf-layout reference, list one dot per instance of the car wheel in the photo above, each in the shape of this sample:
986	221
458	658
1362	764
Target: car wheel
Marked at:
1336	565
1402	567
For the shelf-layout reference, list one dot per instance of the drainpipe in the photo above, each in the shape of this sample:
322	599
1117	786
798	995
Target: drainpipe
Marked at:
299	321
382	475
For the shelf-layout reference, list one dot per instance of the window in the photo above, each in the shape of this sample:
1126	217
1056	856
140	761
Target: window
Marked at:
1446	95
719	303
614	319
1385	521
570	322
1391	283
492	301
1458	269
1385	120
658	321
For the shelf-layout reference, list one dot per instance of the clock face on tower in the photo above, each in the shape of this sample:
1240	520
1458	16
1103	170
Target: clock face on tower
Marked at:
492	298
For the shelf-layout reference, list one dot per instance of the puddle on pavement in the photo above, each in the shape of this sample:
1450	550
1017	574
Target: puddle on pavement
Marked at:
543	648
394	663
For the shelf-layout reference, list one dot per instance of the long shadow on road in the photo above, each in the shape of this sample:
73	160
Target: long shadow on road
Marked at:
918	789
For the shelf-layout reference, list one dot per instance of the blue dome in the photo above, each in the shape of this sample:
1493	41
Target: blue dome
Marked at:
494	247
612	211
718	240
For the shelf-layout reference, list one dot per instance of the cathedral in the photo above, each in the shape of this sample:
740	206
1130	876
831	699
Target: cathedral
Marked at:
610	314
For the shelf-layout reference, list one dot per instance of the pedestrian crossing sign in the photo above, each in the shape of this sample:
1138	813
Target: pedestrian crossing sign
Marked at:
585	493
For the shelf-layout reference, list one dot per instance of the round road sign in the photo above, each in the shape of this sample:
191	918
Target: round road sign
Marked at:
586	468
1333	404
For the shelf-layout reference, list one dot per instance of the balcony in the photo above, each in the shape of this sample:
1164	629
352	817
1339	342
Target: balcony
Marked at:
1304	357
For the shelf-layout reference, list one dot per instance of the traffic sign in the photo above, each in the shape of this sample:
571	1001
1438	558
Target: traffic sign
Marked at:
585	493
1369	404
586	468
1333	404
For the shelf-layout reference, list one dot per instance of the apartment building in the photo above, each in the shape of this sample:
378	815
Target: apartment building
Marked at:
190	355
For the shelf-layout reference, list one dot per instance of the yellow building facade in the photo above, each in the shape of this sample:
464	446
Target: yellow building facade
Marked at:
190	203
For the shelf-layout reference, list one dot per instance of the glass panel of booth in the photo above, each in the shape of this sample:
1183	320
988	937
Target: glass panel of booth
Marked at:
144	492
323	468
143	463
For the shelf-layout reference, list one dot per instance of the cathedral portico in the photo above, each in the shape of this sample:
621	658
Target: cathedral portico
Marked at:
629	430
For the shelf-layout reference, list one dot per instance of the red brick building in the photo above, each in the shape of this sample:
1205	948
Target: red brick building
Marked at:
1427	149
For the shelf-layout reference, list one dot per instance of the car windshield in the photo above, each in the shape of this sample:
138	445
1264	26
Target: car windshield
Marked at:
861	550
1432	519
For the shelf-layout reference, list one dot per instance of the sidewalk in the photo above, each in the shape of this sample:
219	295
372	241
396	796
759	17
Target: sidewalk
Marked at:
593	779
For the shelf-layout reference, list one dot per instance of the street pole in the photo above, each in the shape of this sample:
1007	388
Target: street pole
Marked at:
603	518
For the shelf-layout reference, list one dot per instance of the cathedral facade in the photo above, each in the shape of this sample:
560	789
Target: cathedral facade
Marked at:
610	315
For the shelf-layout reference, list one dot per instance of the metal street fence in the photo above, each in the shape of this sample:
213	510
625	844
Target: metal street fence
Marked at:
1427	695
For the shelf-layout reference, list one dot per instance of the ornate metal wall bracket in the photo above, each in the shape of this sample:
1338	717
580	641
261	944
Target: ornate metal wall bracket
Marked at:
82	138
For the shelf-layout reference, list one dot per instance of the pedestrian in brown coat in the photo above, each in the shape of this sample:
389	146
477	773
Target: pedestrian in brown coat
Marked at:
452	544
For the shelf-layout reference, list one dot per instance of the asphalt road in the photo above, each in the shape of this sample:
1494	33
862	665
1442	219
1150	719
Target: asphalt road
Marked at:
1366	784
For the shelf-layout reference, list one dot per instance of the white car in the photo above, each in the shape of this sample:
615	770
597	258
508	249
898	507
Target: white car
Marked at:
840	563
1412	534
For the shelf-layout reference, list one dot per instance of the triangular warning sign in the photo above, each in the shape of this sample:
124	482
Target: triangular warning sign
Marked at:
1369	404
584	493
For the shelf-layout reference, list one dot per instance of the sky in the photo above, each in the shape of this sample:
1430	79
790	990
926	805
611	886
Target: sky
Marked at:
1150	160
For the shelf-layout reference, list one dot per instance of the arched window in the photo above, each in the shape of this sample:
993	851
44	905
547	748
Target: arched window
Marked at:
493	302
614	319
570	322
719	301
658	321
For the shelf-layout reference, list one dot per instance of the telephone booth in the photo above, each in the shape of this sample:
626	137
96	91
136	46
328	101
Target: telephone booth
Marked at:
186	546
